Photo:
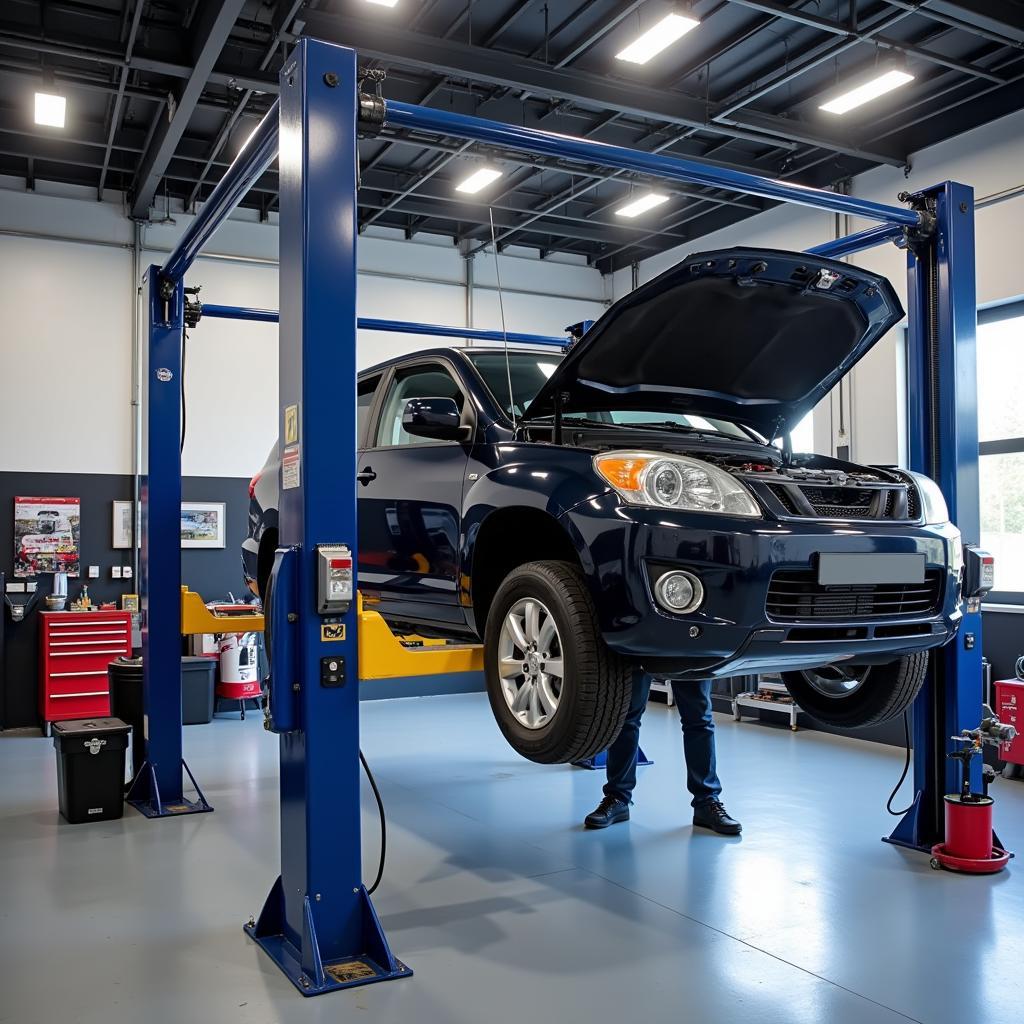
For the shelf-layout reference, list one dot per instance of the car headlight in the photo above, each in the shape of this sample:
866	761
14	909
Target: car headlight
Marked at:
956	556
933	504
674	481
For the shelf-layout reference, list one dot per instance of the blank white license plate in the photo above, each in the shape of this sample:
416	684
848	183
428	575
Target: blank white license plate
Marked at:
836	568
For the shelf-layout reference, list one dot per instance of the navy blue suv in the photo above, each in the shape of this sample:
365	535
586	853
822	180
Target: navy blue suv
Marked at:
624	505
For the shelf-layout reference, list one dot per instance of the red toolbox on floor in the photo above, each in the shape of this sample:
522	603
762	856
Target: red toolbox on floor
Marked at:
75	649
1010	711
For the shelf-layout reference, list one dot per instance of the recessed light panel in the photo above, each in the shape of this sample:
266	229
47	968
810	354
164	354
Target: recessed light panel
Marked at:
478	180
50	110
862	94
642	205
657	38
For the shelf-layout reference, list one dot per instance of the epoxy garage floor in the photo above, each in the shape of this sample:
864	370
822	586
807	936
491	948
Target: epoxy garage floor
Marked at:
507	910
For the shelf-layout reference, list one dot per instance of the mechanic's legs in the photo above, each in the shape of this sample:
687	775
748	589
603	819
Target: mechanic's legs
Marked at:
621	767
694	702
622	753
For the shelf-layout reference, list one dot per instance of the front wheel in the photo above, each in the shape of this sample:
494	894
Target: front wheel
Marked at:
558	693
848	696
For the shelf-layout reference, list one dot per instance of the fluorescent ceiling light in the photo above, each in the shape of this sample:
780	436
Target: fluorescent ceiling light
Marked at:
641	205
868	91
655	39
478	180
50	109
383	3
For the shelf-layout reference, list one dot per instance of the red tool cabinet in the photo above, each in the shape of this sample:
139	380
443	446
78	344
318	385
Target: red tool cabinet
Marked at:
75	649
1009	710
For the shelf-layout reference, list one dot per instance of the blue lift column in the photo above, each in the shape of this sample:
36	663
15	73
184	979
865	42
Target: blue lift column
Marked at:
942	411
157	789
318	923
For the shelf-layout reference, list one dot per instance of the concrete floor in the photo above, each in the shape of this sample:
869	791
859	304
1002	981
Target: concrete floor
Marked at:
504	906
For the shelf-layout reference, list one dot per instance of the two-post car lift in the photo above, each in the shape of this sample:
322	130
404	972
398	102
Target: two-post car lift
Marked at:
318	922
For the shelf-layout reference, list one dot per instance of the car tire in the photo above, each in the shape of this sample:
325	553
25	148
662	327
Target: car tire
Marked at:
592	695
882	692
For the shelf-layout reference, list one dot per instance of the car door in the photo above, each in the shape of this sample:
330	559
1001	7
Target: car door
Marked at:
410	500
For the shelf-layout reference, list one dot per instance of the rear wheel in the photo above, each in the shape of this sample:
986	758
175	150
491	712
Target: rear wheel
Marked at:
847	696
557	691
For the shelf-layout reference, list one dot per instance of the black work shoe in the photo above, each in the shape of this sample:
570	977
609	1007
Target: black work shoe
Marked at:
610	810
714	816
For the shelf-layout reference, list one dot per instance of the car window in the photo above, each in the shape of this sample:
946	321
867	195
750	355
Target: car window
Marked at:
527	371
429	381
366	391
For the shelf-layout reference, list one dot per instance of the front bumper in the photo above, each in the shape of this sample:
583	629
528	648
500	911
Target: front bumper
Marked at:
735	559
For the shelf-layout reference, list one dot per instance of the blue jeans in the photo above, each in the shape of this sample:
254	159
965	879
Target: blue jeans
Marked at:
694	702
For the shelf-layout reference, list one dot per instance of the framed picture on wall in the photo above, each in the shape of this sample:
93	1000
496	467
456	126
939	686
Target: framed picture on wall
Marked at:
122	535
203	524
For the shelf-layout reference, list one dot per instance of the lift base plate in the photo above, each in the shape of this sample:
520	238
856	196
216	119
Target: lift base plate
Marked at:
305	969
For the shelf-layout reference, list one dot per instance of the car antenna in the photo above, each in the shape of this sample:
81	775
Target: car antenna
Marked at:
504	332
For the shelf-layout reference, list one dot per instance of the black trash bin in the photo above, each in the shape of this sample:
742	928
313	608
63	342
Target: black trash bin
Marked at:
197	686
90	768
125	677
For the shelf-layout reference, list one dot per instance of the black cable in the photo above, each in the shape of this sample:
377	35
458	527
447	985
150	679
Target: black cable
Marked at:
383	824
903	774
181	441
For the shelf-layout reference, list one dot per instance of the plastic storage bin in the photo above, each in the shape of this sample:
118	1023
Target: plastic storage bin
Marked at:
197	685
90	768
125	677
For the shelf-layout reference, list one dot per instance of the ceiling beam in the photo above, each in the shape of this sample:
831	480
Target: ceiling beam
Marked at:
217	18
283	20
599	92
115	109
996	20
848	32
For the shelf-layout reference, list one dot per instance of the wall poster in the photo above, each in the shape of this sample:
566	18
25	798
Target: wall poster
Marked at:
47	535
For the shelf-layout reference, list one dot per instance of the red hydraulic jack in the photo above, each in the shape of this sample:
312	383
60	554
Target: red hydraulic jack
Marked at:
971	845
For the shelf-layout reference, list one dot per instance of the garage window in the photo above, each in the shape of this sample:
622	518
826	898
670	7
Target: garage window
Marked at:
1001	443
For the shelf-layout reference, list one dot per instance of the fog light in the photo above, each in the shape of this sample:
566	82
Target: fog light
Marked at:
679	592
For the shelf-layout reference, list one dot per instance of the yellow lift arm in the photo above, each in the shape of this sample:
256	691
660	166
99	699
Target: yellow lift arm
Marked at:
382	655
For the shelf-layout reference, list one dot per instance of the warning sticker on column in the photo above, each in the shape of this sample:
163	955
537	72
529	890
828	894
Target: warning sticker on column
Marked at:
290	459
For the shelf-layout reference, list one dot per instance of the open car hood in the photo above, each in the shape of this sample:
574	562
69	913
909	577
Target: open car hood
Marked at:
756	336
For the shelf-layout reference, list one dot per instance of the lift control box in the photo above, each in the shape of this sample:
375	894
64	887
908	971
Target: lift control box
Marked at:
979	571
335	575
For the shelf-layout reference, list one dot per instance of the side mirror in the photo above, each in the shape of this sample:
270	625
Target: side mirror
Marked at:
438	418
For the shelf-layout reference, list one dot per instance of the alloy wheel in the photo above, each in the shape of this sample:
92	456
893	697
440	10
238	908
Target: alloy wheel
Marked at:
530	662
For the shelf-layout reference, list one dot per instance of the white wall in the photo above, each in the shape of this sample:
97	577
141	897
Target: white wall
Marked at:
989	158
65	356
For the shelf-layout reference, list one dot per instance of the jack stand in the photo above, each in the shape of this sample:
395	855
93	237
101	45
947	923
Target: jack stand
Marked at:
306	970
144	795
601	760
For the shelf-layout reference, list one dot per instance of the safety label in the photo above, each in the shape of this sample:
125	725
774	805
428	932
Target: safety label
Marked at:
290	459
332	631
350	970
291	424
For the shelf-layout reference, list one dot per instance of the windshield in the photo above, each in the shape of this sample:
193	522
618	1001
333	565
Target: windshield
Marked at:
668	421
529	371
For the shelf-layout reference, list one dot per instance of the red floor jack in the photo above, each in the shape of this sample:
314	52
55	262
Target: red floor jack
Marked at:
970	840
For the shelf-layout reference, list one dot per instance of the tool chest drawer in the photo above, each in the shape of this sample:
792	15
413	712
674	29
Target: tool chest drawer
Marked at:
75	649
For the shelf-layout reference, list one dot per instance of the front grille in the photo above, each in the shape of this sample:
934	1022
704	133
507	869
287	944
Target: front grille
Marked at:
893	502
913	504
783	495
841	502
796	595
